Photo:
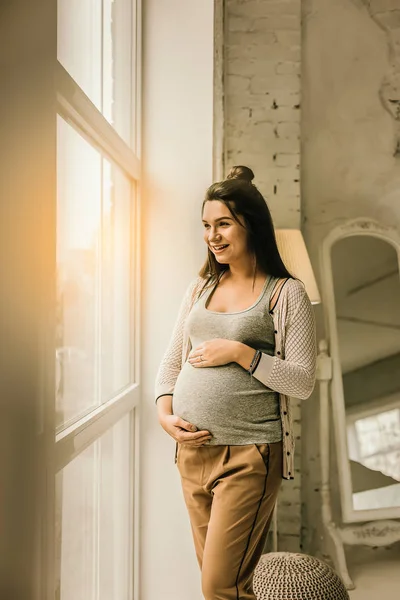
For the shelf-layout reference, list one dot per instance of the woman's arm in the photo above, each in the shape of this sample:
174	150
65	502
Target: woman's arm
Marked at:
171	362
295	375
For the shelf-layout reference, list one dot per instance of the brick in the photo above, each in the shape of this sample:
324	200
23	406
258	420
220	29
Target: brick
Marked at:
285	98
257	162
288	68
284	506
284	7
251	67
288	543
297	461
290	131
267	50
247	131
290	492
266	187
283	145
281	174
287	174
248	101
238	83
259	85
276	23
235	24
296	408
240	114
287	160
290	524
289	38
266	7
257	144
280	115
249	38
288	188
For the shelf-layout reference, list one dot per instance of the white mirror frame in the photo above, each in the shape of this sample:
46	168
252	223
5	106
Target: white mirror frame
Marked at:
361	226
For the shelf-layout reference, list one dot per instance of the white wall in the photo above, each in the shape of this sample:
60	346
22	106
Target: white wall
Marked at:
177	159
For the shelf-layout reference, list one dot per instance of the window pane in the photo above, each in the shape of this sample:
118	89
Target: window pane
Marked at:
94	519
79	44
78	260
117	336
95	41
117	66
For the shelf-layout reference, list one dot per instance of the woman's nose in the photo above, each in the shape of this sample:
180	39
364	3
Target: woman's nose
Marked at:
213	236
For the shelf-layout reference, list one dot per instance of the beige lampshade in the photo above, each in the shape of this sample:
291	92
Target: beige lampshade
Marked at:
294	254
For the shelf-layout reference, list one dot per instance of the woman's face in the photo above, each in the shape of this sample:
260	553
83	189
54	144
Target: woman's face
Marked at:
225	237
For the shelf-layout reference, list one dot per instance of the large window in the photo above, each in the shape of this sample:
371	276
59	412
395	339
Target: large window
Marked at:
94	498
96	45
94	519
95	259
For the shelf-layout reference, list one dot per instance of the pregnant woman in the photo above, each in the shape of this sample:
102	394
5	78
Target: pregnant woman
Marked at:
244	341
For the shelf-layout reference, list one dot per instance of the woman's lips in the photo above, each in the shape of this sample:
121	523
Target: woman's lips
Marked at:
216	251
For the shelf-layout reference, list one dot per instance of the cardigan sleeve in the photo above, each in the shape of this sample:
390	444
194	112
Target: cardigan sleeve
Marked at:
171	362
293	375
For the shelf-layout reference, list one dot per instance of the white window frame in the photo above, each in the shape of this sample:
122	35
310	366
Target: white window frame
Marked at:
369	409
59	449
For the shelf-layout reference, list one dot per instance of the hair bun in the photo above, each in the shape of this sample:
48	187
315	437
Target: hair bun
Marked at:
241	172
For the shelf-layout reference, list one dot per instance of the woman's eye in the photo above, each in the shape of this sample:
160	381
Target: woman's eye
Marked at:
207	226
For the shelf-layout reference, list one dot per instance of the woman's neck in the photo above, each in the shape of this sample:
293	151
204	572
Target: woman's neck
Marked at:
242	275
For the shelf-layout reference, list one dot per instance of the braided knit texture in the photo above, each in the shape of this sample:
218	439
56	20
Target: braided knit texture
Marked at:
291	576
295	375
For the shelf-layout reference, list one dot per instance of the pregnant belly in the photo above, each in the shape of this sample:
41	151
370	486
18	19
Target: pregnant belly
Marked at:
219	397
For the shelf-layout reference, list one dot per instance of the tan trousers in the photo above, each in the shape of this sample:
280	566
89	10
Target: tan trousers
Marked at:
230	494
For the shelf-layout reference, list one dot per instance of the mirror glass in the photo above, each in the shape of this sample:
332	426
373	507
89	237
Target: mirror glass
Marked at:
366	283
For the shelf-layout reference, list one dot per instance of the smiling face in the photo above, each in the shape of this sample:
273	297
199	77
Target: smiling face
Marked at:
225	237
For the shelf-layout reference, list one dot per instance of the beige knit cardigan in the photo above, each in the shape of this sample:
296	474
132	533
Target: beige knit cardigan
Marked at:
290	372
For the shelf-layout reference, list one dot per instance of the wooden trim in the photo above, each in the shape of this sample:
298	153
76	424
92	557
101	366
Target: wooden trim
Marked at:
76	438
75	107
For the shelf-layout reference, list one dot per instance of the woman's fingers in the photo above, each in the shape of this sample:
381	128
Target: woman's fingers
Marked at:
179	422
197	443
185	437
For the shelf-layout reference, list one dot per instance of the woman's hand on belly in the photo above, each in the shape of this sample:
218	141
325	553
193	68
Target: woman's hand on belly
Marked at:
214	353
183	432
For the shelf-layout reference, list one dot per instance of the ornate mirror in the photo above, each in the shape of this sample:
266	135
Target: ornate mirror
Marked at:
361	285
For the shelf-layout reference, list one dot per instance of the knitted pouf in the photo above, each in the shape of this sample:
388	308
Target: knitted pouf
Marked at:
289	576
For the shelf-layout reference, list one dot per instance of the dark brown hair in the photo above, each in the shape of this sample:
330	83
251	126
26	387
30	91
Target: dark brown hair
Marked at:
243	199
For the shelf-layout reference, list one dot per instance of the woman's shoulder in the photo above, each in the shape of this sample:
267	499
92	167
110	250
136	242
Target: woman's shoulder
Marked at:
195	287
293	292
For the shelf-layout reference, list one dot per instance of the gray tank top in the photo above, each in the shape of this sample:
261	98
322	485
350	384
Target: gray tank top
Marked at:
225	400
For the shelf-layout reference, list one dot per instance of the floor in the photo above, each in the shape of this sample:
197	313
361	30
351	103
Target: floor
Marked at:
375	577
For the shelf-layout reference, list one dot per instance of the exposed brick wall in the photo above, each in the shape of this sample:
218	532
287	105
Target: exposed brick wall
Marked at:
262	130
262	98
